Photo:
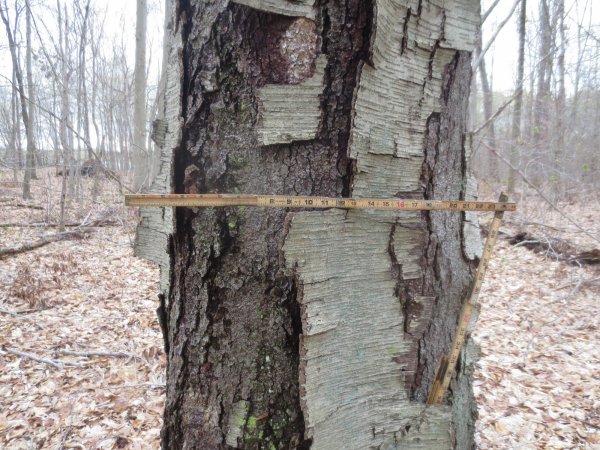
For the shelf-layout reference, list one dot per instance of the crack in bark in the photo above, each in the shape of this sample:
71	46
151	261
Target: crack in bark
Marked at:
218	248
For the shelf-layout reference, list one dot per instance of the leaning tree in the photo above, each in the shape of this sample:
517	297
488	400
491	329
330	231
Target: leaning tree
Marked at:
314	329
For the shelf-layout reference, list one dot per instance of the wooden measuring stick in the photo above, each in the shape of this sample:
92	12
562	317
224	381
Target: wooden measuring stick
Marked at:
447	364
285	201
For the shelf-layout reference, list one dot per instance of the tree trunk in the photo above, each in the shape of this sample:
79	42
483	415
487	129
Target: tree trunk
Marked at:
544	72
14	131
558	160
310	329
20	86
518	104
67	150
140	157
30	172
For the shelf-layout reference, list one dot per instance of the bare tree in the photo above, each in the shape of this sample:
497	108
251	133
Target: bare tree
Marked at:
20	86
140	156
65	141
518	102
30	161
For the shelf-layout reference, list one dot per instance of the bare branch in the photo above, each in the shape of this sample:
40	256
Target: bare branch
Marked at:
539	191
495	35
486	14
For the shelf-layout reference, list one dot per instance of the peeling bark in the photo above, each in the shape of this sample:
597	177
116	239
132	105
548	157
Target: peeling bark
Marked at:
381	292
315	329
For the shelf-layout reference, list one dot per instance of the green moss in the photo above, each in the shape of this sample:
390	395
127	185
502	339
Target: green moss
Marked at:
236	162
392	350
251	424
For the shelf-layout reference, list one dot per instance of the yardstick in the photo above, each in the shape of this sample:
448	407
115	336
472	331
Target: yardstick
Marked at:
447	364
286	201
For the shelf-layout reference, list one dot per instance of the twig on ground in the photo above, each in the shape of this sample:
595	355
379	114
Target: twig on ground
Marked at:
94	224
51	362
136	386
25	205
10	313
582	283
19	314
95	353
536	224
525	243
65	436
9	251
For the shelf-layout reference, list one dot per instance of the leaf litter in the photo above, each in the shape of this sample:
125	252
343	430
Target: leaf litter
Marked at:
89	305
537	383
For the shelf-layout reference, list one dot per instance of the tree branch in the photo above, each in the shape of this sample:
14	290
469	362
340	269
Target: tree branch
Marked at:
539	191
486	14
51	362
495	35
10	251
108	172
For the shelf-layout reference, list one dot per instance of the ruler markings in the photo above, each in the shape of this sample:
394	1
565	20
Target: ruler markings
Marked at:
279	201
447	363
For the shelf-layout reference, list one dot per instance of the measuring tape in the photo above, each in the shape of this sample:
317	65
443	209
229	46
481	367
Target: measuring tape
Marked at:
286	201
447	364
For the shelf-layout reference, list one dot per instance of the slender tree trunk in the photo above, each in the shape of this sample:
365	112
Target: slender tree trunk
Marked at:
544	73
140	156
314	329
23	100
31	94
85	104
488	110
560	130
64	111
518	102
14	131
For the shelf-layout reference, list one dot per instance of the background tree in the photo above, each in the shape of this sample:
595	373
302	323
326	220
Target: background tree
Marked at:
24	101
518	104
538	126
320	329
139	111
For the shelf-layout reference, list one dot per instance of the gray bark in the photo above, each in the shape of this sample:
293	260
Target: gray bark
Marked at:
314	329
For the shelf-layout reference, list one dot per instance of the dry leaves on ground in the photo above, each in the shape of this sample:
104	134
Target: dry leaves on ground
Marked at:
537	383
89	306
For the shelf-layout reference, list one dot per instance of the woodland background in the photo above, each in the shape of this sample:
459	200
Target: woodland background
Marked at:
81	359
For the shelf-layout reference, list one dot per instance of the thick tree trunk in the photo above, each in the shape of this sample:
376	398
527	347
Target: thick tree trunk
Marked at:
314	329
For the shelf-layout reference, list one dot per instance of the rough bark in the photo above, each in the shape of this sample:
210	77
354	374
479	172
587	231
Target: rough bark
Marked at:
315	329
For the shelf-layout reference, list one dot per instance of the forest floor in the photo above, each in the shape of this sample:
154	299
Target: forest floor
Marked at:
81	359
